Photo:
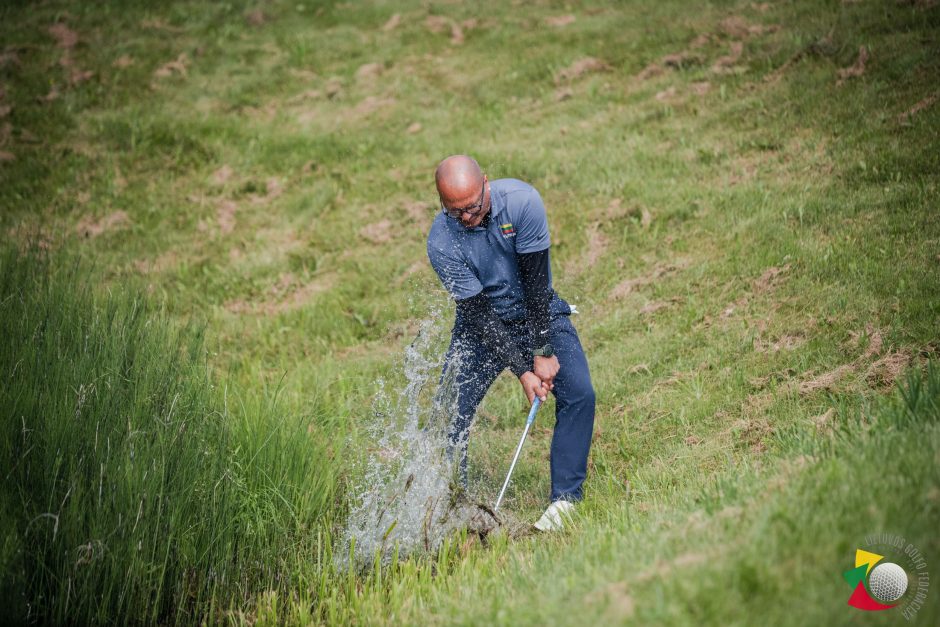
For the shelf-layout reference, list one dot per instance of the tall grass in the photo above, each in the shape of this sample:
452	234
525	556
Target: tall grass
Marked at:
134	487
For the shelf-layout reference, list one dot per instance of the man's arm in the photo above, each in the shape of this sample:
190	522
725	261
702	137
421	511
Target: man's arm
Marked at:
479	313
533	271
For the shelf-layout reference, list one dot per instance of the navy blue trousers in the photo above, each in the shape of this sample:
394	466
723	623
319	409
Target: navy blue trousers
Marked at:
574	398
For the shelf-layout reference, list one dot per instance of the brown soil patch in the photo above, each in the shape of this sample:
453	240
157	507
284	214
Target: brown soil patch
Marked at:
651	70
10	57
222	175
770	278
886	370
597	244
256	17
378	232
700	88
414	128
678	60
368	72
579	68
883	372
371	104
309	94
178	66
856	69
66	39
437	24
629	285
563	93
225	216
123	61
89	227
456	34
666	94
875	343
725	64
783	343
52	95
64	36
926	103
273	188
419	210
675	61
737	27
826	381
392	23
76	75
334	87
701	40
287	294
753	431
654	306
559	21
6	157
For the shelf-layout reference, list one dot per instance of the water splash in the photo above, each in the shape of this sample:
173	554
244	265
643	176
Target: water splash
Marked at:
409	500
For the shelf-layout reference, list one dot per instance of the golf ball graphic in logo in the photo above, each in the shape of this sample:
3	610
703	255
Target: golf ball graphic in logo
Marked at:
888	582
899	581
877	585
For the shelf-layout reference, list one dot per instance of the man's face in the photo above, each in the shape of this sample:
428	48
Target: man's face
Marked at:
468	208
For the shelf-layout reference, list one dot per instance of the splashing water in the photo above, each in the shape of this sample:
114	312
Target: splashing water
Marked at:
408	500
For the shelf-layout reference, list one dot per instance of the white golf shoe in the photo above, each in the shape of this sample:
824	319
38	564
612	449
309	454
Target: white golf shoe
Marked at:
555	517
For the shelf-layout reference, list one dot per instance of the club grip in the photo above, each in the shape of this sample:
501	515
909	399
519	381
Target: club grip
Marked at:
535	408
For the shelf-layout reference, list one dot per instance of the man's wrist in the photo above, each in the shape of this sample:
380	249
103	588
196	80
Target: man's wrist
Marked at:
546	350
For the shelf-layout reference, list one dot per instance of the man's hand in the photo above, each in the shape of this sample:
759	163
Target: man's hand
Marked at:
532	386
545	368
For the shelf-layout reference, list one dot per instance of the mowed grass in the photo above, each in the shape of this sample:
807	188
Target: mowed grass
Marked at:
748	228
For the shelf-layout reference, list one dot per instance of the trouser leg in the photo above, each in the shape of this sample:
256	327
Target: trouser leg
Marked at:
574	413
475	372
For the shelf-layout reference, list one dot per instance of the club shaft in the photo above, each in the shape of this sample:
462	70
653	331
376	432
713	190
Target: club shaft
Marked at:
525	433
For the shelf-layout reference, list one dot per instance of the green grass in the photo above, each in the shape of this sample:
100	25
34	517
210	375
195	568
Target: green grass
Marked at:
135	487
239	279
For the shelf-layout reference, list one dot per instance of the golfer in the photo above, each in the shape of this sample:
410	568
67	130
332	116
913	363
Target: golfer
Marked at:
490	248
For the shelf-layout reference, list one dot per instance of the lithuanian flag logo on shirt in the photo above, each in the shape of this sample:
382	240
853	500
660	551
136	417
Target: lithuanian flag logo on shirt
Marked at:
507	229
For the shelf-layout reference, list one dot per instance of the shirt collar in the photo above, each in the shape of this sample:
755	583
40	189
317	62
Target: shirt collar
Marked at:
496	208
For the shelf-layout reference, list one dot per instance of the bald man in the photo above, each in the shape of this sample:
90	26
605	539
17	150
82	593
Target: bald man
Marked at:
490	248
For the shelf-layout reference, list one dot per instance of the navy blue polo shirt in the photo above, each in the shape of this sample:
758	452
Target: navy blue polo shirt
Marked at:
483	258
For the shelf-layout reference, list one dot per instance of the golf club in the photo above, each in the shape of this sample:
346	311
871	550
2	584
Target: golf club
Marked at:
528	423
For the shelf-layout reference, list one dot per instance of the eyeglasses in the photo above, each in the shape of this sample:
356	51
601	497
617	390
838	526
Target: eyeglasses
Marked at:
472	210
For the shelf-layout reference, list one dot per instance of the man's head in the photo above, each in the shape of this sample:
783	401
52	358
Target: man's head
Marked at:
463	189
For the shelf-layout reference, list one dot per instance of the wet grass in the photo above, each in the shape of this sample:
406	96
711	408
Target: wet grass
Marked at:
751	243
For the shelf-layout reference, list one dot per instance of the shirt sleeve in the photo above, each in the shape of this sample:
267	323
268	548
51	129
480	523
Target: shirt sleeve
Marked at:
456	276
532	225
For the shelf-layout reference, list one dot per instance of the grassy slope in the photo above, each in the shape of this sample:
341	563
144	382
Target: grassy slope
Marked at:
699	400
